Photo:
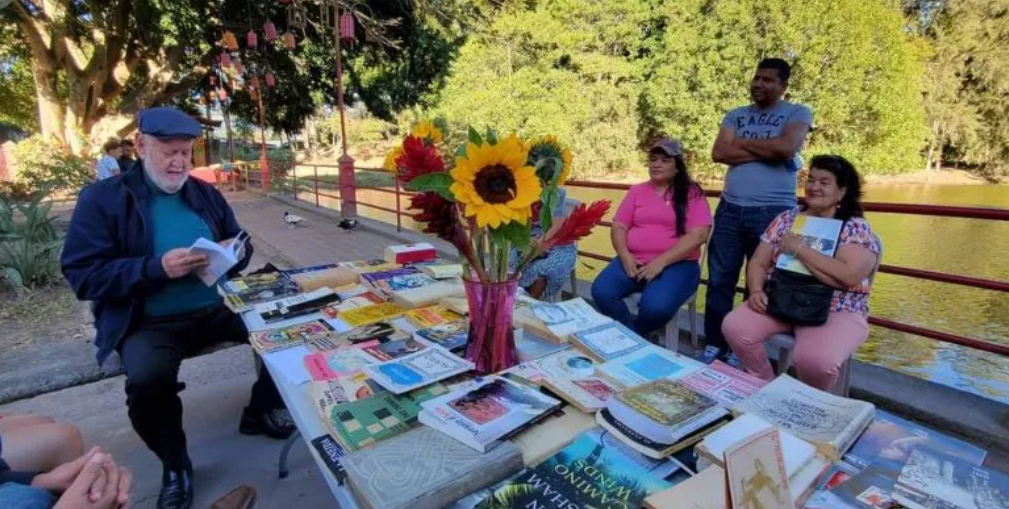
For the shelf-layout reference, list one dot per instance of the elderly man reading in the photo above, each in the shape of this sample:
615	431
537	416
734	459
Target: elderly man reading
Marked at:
127	250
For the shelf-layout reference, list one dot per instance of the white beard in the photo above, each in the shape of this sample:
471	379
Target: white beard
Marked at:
166	187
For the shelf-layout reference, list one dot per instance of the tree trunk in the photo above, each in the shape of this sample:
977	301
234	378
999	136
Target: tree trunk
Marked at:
51	113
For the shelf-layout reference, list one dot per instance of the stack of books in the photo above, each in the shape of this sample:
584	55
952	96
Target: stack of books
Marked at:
660	418
556	321
648	364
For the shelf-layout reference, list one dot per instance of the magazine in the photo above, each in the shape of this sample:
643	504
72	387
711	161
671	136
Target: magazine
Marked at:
818	233
934	480
568	317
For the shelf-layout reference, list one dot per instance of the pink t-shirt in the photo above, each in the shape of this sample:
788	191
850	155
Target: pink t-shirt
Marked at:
651	220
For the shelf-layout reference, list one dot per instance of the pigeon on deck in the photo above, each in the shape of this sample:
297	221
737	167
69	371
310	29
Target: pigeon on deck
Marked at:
292	220
348	224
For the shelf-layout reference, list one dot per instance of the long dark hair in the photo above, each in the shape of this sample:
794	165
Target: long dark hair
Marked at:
681	189
848	178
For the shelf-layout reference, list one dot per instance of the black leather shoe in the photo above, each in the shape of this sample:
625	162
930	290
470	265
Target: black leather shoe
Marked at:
176	489
275	423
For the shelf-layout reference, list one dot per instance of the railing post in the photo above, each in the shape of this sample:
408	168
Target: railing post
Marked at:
315	172
264	170
399	222
348	187
294	172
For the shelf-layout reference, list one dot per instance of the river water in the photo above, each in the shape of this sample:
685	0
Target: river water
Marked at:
978	248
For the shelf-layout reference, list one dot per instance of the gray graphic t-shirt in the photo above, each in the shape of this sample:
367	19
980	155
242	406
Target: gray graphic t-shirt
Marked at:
763	183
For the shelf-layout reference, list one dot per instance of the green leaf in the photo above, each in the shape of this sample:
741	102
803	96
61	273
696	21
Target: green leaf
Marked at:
461	151
549	198
433	182
491	136
14	278
520	235
474	137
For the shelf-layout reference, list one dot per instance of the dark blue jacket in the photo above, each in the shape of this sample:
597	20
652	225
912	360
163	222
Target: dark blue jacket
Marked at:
108	256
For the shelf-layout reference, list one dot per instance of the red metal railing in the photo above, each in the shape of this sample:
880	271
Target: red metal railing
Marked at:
888	208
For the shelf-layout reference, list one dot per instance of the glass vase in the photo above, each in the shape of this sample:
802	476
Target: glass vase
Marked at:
491	335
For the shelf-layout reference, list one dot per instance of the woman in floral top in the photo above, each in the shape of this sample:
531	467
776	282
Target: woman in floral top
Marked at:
833	190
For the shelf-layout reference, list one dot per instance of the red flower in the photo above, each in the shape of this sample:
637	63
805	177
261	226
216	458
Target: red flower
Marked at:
418	159
440	218
577	225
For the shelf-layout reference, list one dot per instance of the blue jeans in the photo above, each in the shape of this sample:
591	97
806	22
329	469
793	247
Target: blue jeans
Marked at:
19	496
736	235
660	298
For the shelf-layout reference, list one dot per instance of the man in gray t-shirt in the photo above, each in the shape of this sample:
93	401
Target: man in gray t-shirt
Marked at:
760	143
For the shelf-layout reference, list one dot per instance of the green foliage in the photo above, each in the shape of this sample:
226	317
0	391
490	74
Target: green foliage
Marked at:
44	165
17	89
29	246
433	182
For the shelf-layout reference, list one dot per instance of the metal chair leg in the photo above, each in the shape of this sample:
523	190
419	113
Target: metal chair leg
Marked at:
285	451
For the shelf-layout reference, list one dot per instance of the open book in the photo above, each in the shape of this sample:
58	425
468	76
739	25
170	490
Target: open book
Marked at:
222	258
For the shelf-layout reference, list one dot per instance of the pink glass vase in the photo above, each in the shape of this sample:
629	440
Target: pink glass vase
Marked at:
491	336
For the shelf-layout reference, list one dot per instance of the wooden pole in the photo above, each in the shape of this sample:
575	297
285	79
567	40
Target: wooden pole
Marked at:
264	163
348	194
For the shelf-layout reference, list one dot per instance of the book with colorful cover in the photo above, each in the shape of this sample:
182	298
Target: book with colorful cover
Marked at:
934	480
430	316
584	474
297	305
608	341
482	413
359	385
452	336
369	266
371	314
890	438
348	303
664	411
373	278
568	317
267	341
723	383
818	233
587	394
755	472
869	489
568	363
243	293
648	364
333	278
345	361
378	331
364	422
410	372
392	349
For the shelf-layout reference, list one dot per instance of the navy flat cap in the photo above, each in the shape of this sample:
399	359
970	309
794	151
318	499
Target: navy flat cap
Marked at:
168	123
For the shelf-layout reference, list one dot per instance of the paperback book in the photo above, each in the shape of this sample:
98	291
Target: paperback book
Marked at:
413	371
332	364
427	295
664	411
442	271
427	317
326	278
379	331
452	336
829	422
818	233
487	411
890	438
755	472
648	447
298	305
584	474
723	383
871	488
568	317
347	303
587	394
369	266
361	423
796	452
278	339
371	314
608	341
648	364
934	480
569	363
243	293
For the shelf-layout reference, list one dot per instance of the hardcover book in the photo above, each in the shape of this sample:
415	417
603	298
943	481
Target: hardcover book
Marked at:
427	317
664	411
723	383
829	422
608	341
890	438
648	364
817	233
278	339
585	474
452	336
587	394
569	363
481	414
410	372
361	423
425	469
934	480
371	314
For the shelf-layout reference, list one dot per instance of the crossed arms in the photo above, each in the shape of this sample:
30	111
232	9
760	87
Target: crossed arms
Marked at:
731	151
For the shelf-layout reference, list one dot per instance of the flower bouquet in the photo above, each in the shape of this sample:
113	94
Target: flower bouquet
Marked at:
485	200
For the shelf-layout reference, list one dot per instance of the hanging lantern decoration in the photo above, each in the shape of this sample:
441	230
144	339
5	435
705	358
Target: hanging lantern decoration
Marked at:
225	61
347	26
229	41
251	40
289	41
269	31
271	80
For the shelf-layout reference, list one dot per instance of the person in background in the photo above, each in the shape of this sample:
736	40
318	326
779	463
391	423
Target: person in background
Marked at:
108	165
127	249
760	144
833	190
657	232
127	155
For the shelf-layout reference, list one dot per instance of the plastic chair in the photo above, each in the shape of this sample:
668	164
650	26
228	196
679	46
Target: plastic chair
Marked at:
785	344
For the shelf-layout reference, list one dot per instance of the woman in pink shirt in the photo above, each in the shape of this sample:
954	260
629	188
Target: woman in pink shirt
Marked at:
657	232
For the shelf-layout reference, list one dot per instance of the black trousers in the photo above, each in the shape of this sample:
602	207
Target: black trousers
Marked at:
152	355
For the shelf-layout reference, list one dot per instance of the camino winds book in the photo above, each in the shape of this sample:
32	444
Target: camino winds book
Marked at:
584	474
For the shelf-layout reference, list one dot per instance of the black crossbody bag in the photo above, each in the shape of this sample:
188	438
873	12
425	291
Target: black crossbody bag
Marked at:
798	299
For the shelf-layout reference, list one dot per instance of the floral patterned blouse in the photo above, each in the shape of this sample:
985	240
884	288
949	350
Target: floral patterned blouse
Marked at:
856	230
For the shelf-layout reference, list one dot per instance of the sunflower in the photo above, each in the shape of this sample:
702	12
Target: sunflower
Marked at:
390	158
494	184
426	129
550	146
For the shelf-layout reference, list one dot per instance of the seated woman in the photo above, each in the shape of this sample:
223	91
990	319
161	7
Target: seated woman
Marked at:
833	190
657	232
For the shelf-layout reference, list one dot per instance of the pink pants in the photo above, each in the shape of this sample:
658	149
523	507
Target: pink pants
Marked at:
819	351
